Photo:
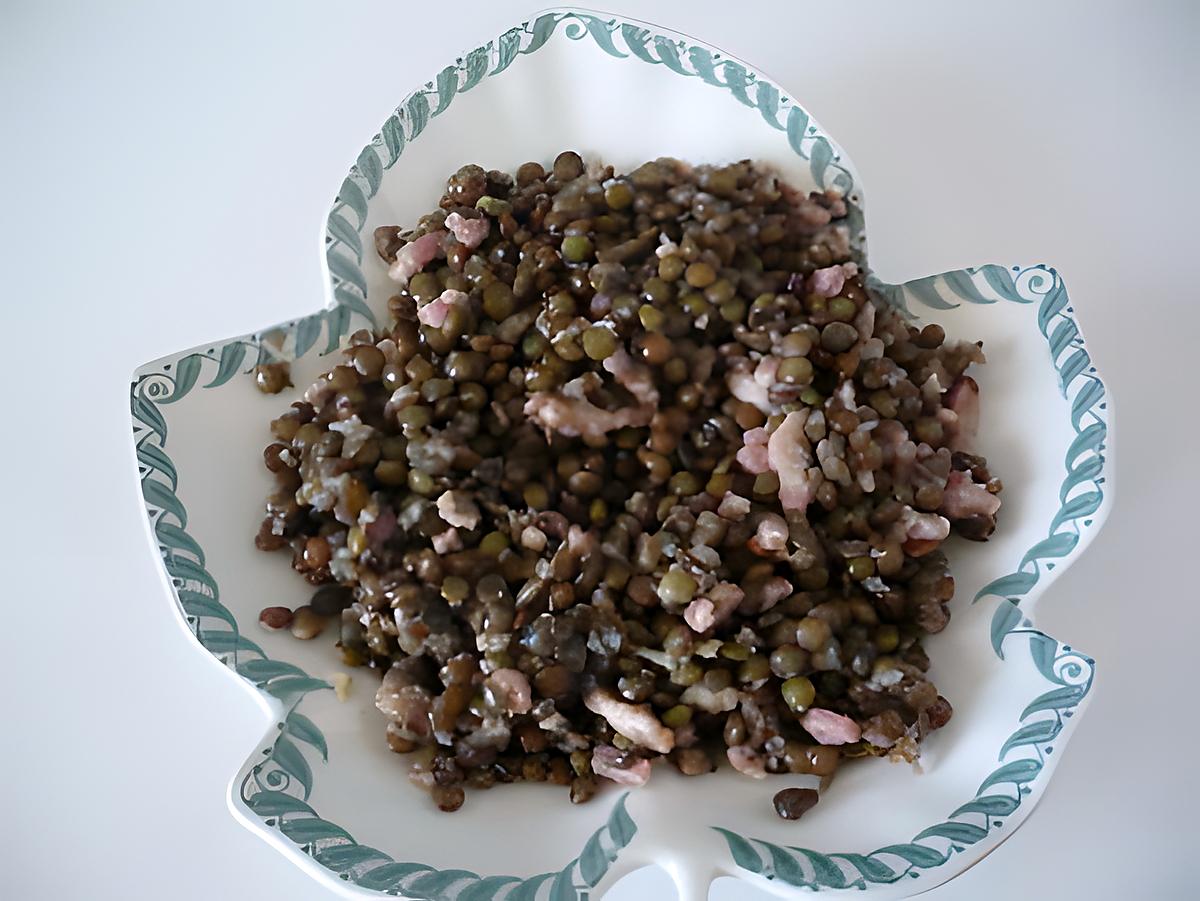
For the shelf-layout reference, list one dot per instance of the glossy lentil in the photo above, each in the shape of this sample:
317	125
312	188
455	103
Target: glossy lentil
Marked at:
640	465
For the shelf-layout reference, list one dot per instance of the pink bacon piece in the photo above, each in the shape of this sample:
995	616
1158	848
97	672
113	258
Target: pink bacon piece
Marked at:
416	255
790	455
830	728
433	314
468	232
964	497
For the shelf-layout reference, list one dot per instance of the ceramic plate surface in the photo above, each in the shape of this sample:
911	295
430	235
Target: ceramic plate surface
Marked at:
322	787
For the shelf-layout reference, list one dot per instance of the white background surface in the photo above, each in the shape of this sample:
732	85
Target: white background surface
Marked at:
141	144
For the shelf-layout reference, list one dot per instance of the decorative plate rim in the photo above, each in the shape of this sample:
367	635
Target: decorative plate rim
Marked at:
269	794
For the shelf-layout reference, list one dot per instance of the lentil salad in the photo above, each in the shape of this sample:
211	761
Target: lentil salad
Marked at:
640	470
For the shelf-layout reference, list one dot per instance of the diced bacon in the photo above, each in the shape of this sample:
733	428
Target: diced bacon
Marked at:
636	722
703	698
830	728
747	761
762	596
699	614
772	532
963	399
575	417
355	434
416	255
827	282
726	598
621	768
745	388
633	376
434	313
468	232
753	453
790	455
511	689
964	497
766	371
447	542
924	526
458	509
733	507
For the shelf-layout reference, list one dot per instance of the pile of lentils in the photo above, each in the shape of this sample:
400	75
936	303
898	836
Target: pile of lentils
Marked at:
640	473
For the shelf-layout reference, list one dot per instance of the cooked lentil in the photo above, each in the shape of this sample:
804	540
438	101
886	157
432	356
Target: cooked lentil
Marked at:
793	803
641	469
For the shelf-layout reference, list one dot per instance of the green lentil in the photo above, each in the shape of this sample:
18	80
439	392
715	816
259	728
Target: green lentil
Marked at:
424	287
651	317
788	660
472	396
929	430
731	650
718	484
694	304
493	206
498	301
842	309
414	418
798	693
688	673
683	484
599	343
625	306
860	568
795	344
675	371
720	292
657	291
618	195
733	310
670	267
455	589
536	497
577	248
753	669
420	482
886	637
700	274
391	472
493	543
812	634
677	716
534	344
561	304
676	588
795	371
766	483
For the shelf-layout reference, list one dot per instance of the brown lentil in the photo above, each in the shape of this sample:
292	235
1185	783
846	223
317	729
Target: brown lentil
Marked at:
567	497
271	378
793	803
273	619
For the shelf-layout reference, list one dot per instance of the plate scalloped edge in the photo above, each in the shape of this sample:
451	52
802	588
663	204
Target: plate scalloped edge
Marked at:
276	786
1026	757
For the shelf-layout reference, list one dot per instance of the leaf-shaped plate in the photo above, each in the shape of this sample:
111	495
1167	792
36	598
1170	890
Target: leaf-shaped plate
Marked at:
322	787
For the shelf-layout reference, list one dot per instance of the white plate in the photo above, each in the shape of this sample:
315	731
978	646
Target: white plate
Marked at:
322	787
